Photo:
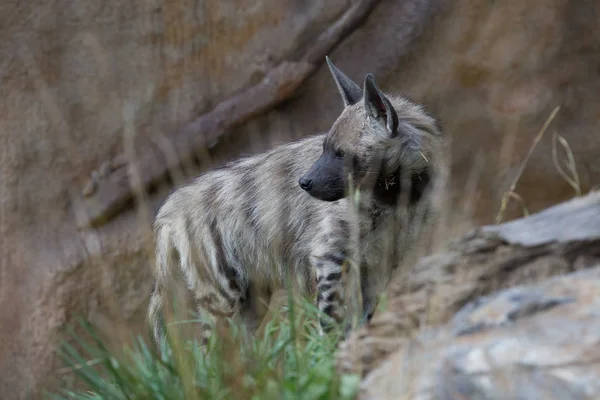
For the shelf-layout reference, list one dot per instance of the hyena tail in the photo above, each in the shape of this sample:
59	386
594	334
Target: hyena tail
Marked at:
164	265
155	318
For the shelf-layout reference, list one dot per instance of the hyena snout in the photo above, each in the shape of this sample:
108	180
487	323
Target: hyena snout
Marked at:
325	179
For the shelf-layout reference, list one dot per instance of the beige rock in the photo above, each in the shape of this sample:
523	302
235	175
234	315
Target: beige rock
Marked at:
89	188
118	161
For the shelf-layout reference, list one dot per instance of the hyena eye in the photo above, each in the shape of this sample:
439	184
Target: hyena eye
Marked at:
339	154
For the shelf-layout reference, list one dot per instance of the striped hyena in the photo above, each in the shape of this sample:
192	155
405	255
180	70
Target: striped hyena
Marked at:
237	232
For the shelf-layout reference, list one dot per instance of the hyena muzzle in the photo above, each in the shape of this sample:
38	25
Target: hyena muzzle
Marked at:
235	233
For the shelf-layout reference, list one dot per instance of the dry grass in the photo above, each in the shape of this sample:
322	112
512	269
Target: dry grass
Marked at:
510	193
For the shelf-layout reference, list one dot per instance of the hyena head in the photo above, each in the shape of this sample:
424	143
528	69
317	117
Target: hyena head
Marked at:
375	137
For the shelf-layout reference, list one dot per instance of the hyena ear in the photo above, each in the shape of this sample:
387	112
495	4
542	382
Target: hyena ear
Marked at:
350	91
379	107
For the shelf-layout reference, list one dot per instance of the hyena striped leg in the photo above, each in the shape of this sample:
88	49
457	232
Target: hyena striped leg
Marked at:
251	304
213	303
218	289
330	286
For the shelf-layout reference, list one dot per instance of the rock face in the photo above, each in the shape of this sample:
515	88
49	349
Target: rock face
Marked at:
536	340
83	84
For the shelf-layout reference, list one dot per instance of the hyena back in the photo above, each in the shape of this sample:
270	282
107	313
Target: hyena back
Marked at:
236	233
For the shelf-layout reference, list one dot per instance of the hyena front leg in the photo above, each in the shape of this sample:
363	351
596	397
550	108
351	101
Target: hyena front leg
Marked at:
328	262
369	287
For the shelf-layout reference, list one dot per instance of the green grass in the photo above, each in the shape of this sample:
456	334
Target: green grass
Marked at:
287	360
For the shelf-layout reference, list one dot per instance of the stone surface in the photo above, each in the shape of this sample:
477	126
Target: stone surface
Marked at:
82	84
527	342
485	260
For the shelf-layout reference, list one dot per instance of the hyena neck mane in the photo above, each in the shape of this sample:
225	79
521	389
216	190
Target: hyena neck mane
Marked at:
392	189
405	173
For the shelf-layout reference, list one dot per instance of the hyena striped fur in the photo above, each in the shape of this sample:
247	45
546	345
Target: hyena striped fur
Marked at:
236	232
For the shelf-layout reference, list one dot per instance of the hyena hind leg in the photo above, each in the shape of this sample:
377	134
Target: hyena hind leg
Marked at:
214	303
248	302
254	307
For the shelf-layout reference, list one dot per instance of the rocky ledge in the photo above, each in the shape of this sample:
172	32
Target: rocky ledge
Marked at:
510	311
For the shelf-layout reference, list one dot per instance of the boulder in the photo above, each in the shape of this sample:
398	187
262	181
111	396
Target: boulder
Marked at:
449	333
527	342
